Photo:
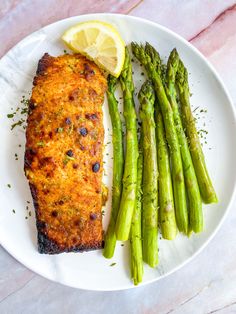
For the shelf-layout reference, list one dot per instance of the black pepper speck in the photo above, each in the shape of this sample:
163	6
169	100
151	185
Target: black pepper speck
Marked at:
68	121
93	216
91	116
83	131
54	213
96	167
69	153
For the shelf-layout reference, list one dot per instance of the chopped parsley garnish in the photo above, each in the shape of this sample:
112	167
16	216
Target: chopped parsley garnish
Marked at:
24	110
41	144
21	111
67	159
59	130
112	264
19	123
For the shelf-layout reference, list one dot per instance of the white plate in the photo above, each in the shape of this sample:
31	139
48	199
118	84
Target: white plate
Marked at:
91	270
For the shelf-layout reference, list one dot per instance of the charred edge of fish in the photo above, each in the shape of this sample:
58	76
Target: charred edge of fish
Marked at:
44	63
28	159
48	246
34	197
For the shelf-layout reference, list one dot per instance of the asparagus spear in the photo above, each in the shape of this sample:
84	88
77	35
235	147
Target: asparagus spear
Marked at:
206	188
194	197
127	203
166	202
118	161
150	175
171	136
135	231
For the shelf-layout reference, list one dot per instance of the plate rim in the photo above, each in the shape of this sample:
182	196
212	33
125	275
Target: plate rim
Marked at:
232	107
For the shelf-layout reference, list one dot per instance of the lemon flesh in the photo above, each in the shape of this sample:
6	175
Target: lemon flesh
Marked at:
100	42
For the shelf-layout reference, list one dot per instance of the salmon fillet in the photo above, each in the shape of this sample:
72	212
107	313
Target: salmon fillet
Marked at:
64	152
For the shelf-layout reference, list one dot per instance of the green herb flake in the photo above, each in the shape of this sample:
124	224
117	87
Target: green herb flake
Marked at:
9	186
13	211
24	110
67	159
112	264
19	123
41	144
24	101
10	115
60	130
30	213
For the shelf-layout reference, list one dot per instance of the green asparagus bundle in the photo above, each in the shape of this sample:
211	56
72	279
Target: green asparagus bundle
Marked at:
118	161
150	175
135	231
128	197
192	188
166	202
150	59
206	188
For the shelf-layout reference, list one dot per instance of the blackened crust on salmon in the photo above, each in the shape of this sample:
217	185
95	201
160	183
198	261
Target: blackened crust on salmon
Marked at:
44	63
33	191
59	158
31	106
29	156
48	246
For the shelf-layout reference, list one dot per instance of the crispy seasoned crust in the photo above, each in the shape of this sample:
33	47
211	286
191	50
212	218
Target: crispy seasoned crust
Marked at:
63	154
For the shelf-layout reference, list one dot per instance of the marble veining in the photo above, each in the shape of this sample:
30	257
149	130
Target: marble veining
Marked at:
207	283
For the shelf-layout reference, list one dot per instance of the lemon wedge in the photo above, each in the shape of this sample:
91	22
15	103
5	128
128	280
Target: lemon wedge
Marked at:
100	42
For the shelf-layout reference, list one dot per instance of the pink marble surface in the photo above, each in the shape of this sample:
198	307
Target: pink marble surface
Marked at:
205	285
